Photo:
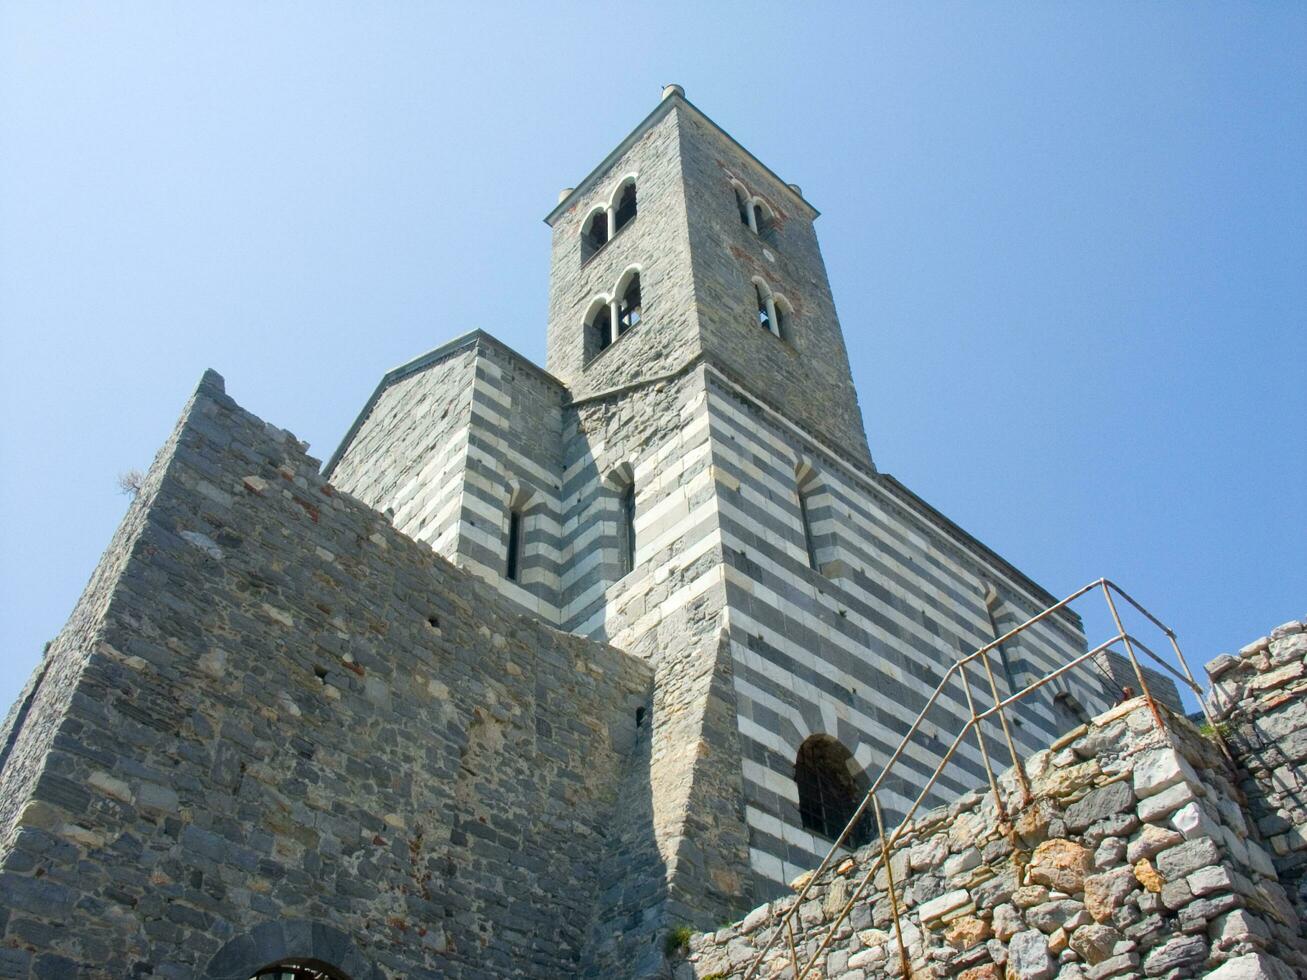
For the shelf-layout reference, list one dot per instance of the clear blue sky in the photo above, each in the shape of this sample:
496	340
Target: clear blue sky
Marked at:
1067	243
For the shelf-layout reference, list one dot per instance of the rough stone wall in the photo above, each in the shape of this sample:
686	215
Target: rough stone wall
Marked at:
271	708
658	242
853	650
1259	699
806	374
1132	858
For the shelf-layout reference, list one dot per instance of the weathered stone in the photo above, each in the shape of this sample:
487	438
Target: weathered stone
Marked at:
1148	876
1095	943
1150	841
1028	957
1179	953
1160	769
1178	861
936	908
1059	864
1107	892
1053	915
967	931
1252	966
1099	804
1006	922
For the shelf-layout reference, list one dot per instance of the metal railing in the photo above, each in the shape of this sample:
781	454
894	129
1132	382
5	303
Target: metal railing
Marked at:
1129	642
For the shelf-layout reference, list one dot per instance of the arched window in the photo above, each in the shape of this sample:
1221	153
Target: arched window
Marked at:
603	223
624	209
599	328
742	203
594	233
831	787
516	545
626	529
782	322
768	317
628	307
760	219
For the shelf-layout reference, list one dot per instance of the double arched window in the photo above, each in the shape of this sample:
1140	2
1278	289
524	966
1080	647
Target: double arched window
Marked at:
755	213
831	787
610	316
773	310
606	220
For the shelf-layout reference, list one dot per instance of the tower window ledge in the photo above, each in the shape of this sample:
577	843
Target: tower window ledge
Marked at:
602	248
595	359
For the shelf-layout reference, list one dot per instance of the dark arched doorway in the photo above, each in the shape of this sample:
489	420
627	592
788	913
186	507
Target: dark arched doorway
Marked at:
299	970
291	949
831	786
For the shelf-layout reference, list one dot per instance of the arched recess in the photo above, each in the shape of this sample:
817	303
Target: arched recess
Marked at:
283	943
806	486
623	206
768	316
762	219
831	785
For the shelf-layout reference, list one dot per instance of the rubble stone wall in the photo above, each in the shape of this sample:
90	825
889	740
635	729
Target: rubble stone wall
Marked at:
277	726
1257	700
1132	858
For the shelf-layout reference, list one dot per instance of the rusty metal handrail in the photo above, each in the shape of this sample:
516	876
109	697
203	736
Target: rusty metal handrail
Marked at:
870	799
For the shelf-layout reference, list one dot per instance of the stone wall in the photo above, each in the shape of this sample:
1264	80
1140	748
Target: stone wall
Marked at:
449	443
1132	858
1258	700
854	648
276	725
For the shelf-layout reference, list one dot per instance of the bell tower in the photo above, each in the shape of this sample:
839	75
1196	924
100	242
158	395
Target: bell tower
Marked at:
681	246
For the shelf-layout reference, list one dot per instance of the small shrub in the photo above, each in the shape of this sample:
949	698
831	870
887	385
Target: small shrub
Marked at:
677	941
1221	728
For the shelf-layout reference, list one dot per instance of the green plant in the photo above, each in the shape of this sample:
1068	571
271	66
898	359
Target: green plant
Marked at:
719	975
1221	728
677	941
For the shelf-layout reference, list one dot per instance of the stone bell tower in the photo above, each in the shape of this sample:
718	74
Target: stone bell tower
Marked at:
715	238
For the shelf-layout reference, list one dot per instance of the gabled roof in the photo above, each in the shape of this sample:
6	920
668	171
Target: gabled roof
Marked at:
670	101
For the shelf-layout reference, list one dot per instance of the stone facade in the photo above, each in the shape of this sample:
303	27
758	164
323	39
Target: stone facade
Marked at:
1132	857
270	706
716	422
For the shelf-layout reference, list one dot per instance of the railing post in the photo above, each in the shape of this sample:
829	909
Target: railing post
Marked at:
889	878
1130	650
1017	764
980	741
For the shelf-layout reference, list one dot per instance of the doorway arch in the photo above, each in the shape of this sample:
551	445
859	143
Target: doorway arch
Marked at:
305	950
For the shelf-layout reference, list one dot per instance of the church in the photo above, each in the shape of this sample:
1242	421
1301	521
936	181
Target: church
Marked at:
545	660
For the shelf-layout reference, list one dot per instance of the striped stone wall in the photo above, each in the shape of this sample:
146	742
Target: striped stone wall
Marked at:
853	650
450	445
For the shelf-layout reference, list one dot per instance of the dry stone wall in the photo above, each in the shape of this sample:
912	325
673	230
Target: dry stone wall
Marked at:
1133	858
1258	701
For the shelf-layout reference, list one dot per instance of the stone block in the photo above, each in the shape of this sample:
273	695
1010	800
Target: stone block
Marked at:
1028	957
1158	769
